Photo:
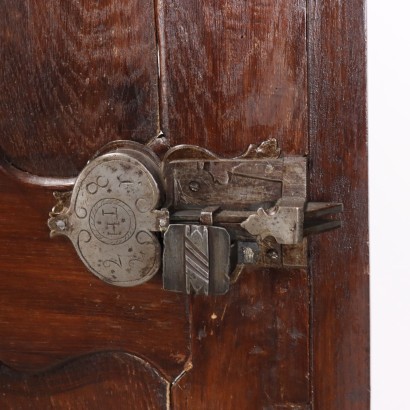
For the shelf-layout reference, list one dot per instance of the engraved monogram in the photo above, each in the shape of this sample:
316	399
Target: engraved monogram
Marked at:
112	221
111	217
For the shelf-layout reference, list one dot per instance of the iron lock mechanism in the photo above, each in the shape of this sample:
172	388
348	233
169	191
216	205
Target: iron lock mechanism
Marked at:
214	216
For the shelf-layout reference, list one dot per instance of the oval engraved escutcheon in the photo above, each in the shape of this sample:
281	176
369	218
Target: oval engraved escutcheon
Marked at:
112	215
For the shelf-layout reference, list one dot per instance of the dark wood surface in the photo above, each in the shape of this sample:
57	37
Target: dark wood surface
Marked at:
263	324
101	381
234	73
76	75
53	309
338	161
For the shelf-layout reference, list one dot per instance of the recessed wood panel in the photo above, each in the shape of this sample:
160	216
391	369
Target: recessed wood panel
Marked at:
103	381
75	75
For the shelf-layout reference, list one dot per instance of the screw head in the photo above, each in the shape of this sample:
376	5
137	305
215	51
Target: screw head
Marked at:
61	225
272	254
194	186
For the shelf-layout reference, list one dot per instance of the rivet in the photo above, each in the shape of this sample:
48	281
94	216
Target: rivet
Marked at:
272	254
194	186
60	225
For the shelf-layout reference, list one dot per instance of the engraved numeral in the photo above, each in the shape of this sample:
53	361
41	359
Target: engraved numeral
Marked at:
93	187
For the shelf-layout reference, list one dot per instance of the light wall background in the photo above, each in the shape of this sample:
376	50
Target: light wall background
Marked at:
389	149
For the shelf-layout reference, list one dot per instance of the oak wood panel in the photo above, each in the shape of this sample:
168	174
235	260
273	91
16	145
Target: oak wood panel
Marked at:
75	75
250	347
338	147
233	73
52	308
103	381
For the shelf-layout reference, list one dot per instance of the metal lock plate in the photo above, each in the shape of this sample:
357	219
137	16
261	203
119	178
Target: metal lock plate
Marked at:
112	216
218	215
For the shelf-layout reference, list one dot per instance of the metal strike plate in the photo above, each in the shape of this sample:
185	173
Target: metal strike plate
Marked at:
215	216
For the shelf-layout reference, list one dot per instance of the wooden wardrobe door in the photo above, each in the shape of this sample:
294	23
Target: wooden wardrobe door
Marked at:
218	74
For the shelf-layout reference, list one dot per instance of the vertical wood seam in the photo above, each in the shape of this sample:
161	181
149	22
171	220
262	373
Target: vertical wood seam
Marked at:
162	77
309	267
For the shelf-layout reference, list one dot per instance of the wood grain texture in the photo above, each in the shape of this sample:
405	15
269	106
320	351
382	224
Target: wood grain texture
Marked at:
75	75
234	73
52	308
250	347
338	147
78	74
103	381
